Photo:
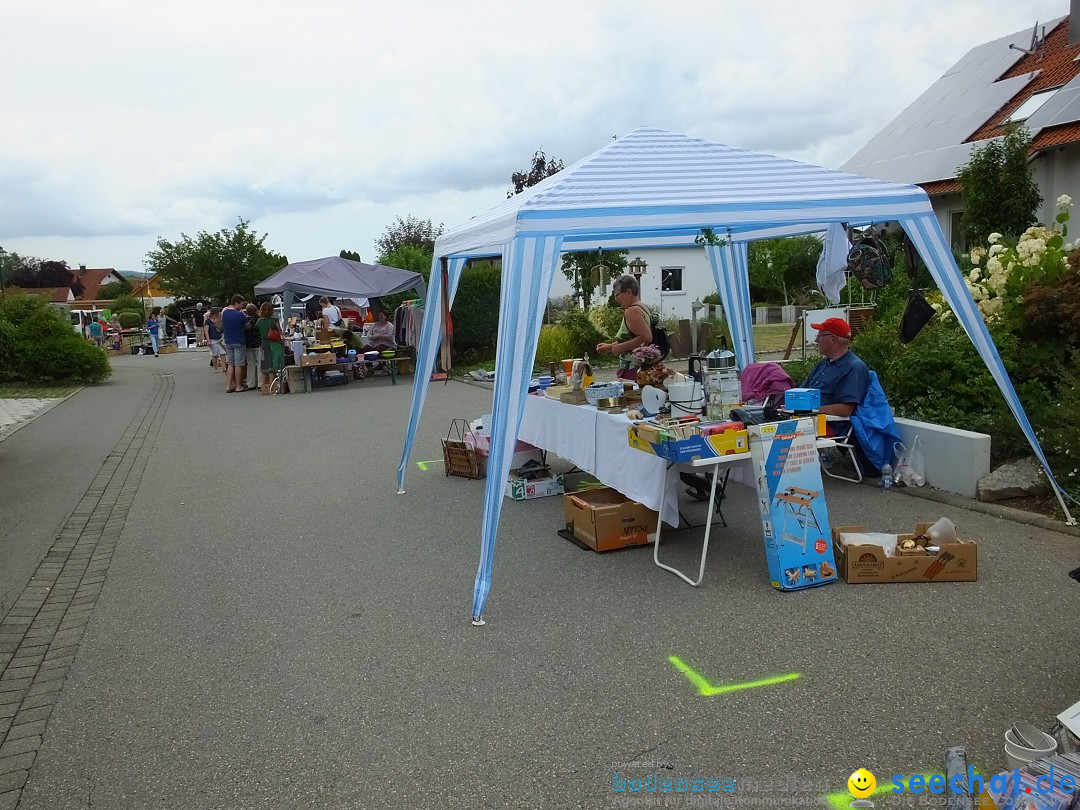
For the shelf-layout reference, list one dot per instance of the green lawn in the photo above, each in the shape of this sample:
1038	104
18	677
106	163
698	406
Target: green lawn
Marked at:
36	391
773	337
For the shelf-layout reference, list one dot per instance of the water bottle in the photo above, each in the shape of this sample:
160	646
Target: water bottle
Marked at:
886	477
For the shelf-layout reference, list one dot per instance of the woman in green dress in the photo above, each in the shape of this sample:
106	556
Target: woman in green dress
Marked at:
271	352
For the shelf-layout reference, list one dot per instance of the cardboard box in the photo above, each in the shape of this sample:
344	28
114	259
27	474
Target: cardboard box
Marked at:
573	398
644	437
319	359
729	442
605	519
167	348
297	380
542	486
955	562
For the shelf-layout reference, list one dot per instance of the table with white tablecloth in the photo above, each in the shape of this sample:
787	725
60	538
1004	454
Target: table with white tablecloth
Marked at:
597	443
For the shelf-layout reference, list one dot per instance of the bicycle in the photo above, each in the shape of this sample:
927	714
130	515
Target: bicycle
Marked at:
280	382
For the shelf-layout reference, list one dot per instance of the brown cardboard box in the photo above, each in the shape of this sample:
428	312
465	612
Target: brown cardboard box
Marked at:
318	359
955	562
297	380
573	398
605	519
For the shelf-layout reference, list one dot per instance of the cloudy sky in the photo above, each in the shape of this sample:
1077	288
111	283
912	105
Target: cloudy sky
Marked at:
321	121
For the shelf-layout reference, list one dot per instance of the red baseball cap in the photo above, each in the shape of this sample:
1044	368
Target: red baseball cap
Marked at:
834	326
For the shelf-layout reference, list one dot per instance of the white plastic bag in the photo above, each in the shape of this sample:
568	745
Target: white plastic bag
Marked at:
910	465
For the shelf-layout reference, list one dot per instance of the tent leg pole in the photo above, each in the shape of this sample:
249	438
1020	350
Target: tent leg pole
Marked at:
1069	519
478	621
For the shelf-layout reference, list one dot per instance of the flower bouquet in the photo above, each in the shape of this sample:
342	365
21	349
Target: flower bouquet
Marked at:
650	370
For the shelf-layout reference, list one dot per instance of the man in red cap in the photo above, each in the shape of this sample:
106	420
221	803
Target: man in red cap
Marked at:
841	376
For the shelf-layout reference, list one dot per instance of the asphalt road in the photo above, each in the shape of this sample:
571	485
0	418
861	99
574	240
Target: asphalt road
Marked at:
278	628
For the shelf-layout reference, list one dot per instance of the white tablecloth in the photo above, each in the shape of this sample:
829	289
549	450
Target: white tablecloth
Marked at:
597	443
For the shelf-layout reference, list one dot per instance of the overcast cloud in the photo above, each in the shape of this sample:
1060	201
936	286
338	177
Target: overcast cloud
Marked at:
323	120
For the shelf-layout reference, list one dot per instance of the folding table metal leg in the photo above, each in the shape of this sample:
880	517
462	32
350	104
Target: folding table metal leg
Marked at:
708	531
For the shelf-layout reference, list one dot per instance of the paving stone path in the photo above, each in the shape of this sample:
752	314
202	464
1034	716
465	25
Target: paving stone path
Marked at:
40	635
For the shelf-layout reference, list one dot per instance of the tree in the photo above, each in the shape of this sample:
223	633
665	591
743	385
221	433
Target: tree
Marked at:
107	292
581	269
214	266
999	189
32	272
780	269
409	257
542	166
352	255
409	231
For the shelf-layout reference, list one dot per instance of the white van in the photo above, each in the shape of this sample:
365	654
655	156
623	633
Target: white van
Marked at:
81	318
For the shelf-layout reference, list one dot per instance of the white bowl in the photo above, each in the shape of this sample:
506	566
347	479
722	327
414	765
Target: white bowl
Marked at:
602	390
1020	755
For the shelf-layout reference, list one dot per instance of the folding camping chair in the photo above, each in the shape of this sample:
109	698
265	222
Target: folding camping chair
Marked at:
842	432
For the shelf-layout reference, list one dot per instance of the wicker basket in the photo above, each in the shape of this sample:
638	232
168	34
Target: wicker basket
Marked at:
459	457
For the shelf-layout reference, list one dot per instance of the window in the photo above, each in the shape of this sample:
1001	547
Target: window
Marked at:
1031	106
671	279
956	232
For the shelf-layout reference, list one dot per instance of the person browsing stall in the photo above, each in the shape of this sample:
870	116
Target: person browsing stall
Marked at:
841	376
331	315
234	325
636	328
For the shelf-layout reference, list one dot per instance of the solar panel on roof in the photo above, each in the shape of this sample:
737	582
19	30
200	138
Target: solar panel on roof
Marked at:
926	141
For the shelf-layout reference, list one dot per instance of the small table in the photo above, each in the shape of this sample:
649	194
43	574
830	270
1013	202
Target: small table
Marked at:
698	463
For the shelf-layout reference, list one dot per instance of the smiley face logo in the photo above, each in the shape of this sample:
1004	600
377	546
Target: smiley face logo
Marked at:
861	783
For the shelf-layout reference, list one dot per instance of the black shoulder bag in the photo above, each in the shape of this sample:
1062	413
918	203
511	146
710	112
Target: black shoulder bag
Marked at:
918	312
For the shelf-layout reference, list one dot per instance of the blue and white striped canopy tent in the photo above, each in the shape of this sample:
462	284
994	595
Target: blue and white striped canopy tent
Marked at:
659	189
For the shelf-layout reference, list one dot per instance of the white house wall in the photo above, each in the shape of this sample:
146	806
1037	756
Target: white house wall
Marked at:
697	280
1056	171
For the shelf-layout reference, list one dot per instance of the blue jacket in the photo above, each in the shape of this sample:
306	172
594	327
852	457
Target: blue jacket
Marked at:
874	425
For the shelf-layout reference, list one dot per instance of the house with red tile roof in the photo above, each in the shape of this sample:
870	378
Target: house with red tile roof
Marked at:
1031	77
54	295
93	277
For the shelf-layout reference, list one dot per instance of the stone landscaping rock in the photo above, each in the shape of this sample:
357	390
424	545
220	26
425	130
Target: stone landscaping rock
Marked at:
1015	479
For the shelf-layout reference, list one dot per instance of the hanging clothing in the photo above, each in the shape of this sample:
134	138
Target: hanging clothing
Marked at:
832	264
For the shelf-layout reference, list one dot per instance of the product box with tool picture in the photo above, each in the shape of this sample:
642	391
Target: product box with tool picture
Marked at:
542	485
791	504
957	561
605	519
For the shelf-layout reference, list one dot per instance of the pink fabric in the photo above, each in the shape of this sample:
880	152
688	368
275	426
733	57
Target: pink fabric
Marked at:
760	381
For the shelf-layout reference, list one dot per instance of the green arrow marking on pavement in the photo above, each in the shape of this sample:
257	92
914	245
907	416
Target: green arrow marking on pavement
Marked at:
424	464
706	689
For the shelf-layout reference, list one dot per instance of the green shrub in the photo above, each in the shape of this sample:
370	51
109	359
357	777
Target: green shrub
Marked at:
129	303
555	345
583	333
130	320
476	309
607	319
37	344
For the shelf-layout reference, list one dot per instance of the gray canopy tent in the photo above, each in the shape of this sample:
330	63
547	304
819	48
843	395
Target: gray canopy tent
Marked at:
336	277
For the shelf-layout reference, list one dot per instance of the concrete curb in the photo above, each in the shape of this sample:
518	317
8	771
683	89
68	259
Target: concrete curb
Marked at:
994	509
927	494
8	433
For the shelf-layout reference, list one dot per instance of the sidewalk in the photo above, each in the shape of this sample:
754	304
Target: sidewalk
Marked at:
244	614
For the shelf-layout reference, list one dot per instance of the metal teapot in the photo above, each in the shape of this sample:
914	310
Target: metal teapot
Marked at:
721	359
